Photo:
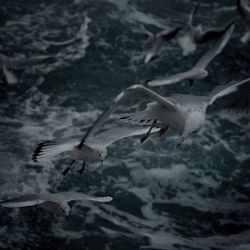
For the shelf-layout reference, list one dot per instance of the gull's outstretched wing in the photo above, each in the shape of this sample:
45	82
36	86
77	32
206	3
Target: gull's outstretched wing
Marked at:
127	98
108	137
167	80
211	34
244	10
18	63
70	196
168	33
50	148
226	93
24	201
216	49
191	15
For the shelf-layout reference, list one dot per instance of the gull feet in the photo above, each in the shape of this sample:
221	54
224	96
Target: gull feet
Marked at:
162	131
82	168
145	137
66	170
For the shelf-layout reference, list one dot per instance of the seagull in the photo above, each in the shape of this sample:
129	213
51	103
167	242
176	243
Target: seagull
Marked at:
9	63
155	42
199	70
186	112
194	35
94	148
244	12
54	202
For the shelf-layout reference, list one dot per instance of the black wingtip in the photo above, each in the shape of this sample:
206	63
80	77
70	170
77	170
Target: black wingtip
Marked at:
37	151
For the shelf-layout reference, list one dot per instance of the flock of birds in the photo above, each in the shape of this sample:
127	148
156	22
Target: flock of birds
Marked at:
184	112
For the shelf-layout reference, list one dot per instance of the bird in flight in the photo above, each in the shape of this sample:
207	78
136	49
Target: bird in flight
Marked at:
199	70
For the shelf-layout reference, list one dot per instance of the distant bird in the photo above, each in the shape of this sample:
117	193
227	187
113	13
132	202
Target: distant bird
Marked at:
54	202
9	63
93	149
194	35
199	70
155	42
186	112
244	11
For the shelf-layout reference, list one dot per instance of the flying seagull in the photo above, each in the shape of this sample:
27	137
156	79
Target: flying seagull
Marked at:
244	11
155	42
54	202
194	35
94	148
199	70
185	112
9	63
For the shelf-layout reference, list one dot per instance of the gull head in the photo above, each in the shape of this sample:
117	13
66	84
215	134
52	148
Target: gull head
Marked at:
64	209
102	154
202	74
193	125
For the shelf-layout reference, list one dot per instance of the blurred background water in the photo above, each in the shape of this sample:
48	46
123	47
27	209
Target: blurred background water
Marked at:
196	197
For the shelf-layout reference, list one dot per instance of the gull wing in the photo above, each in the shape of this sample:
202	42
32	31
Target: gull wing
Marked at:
70	196
50	148
211	34
23	201
18	63
225	93
244	10
167	80
127	98
168	34
216	49
192	14
110	136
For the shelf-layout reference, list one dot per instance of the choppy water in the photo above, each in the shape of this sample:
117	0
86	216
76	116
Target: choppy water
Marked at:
164	198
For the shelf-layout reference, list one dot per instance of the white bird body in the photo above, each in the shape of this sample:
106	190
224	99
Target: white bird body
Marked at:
86	154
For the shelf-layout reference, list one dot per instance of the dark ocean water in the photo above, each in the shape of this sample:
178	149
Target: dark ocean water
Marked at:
197	197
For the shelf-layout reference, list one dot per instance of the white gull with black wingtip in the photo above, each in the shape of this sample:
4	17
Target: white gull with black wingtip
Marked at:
199	70
186	112
195	35
93	149
54	202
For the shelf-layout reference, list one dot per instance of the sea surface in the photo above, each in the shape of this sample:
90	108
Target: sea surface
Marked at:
196	197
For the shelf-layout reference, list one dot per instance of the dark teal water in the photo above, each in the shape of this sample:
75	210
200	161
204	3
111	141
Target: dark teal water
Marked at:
193	198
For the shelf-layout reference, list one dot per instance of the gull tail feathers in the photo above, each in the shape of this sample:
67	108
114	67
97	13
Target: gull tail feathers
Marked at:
51	148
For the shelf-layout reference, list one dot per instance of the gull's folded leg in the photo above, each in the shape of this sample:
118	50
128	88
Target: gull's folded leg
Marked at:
191	81
144	138
163	131
66	170
82	168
